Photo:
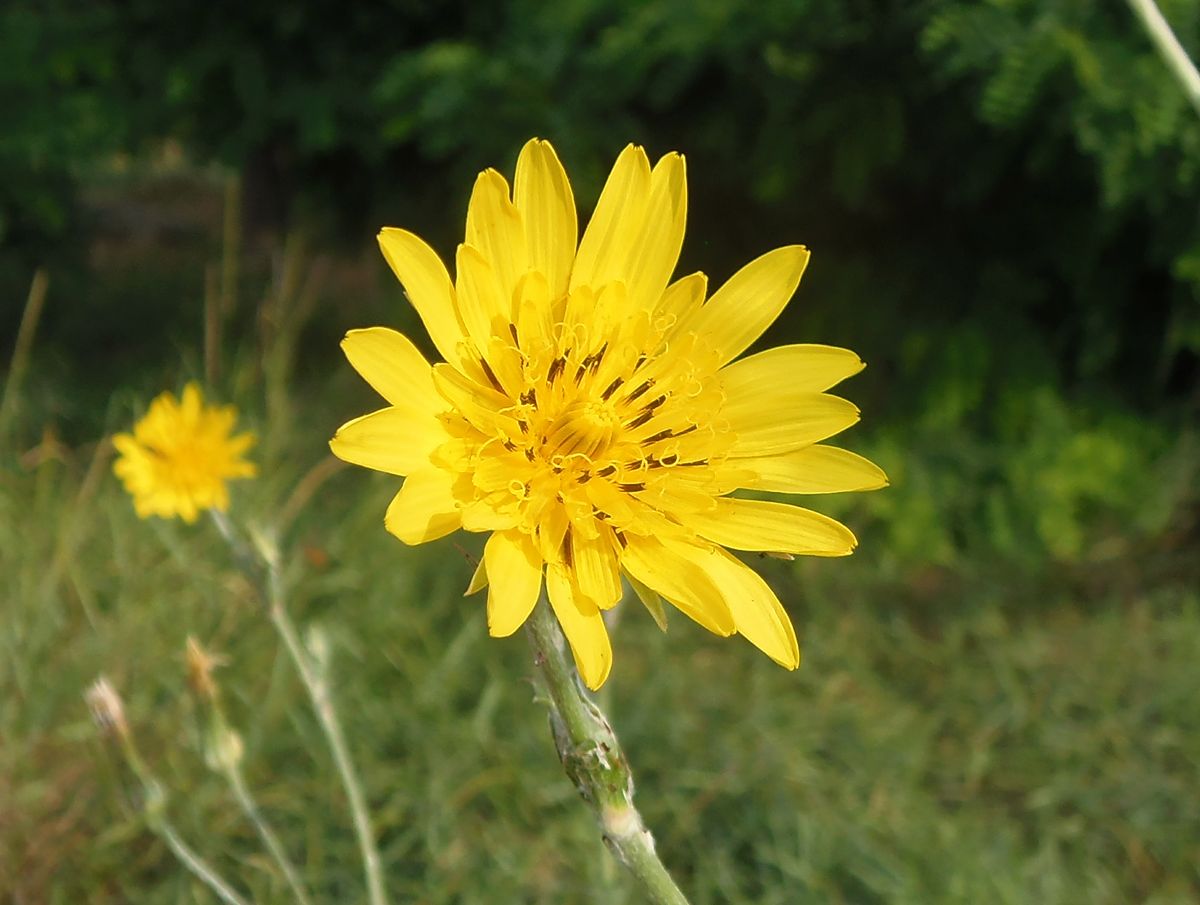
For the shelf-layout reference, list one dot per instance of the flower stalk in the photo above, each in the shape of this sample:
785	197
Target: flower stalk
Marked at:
109	713
592	757
223	751
1169	48
312	676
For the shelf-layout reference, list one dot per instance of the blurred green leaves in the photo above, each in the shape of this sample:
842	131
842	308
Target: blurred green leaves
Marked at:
1001	196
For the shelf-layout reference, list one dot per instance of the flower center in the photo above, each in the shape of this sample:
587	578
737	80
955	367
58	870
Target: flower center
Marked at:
584	427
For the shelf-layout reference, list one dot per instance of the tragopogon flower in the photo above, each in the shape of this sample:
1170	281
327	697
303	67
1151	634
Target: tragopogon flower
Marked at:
591	416
180	455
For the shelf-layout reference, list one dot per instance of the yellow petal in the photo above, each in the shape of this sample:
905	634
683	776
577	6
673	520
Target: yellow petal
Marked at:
481	298
672	571
516	568
543	197
427	285
494	227
655	249
749	302
770	423
596	574
756	610
609	238
391	364
479	580
425	508
814	469
773	527
680	302
651	601
810	367
395	440
583	625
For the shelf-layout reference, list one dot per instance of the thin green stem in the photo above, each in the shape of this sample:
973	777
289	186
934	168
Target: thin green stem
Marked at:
154	803
241	792
1169	48
319	696
197	865
322	703
593	759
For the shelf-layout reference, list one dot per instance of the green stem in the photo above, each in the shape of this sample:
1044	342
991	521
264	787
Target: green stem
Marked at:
250	808
322	702
593	759
1169	48
154	801
197	865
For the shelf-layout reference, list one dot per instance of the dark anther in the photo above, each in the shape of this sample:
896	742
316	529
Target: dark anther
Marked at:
529	454
640	420
606	471
693	462
654	438
655	403
584	478
491	375
556	368
649	382
568	550
686	430
620	536
529	397
512	329
632	488
612	388
510	446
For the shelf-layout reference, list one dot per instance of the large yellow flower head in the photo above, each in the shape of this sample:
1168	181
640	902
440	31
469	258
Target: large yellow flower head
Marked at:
591	416
180	456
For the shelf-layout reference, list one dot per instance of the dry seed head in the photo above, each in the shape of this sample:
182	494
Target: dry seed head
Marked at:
200	666
107	709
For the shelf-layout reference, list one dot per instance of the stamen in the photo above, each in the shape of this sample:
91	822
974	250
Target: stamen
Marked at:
649	382
612	388
607	470
661	435
512	329
556	368
568	551
632	488
640	420
529	397
652	405
491	375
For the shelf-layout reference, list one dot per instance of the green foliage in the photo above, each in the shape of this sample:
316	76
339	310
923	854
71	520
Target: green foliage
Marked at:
981	745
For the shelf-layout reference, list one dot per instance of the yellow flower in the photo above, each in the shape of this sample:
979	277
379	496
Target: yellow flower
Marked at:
180	455
591	416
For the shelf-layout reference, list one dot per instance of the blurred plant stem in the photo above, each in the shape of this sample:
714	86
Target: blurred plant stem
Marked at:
1169	48
223	752
109	713
592	757
312	673
20	357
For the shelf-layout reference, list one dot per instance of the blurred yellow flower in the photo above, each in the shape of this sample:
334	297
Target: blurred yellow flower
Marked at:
179	456
591	416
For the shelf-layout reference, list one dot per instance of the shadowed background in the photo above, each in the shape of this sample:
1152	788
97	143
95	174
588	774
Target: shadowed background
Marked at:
1003	203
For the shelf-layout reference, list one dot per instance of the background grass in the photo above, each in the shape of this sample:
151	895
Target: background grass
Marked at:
953	735
999	697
